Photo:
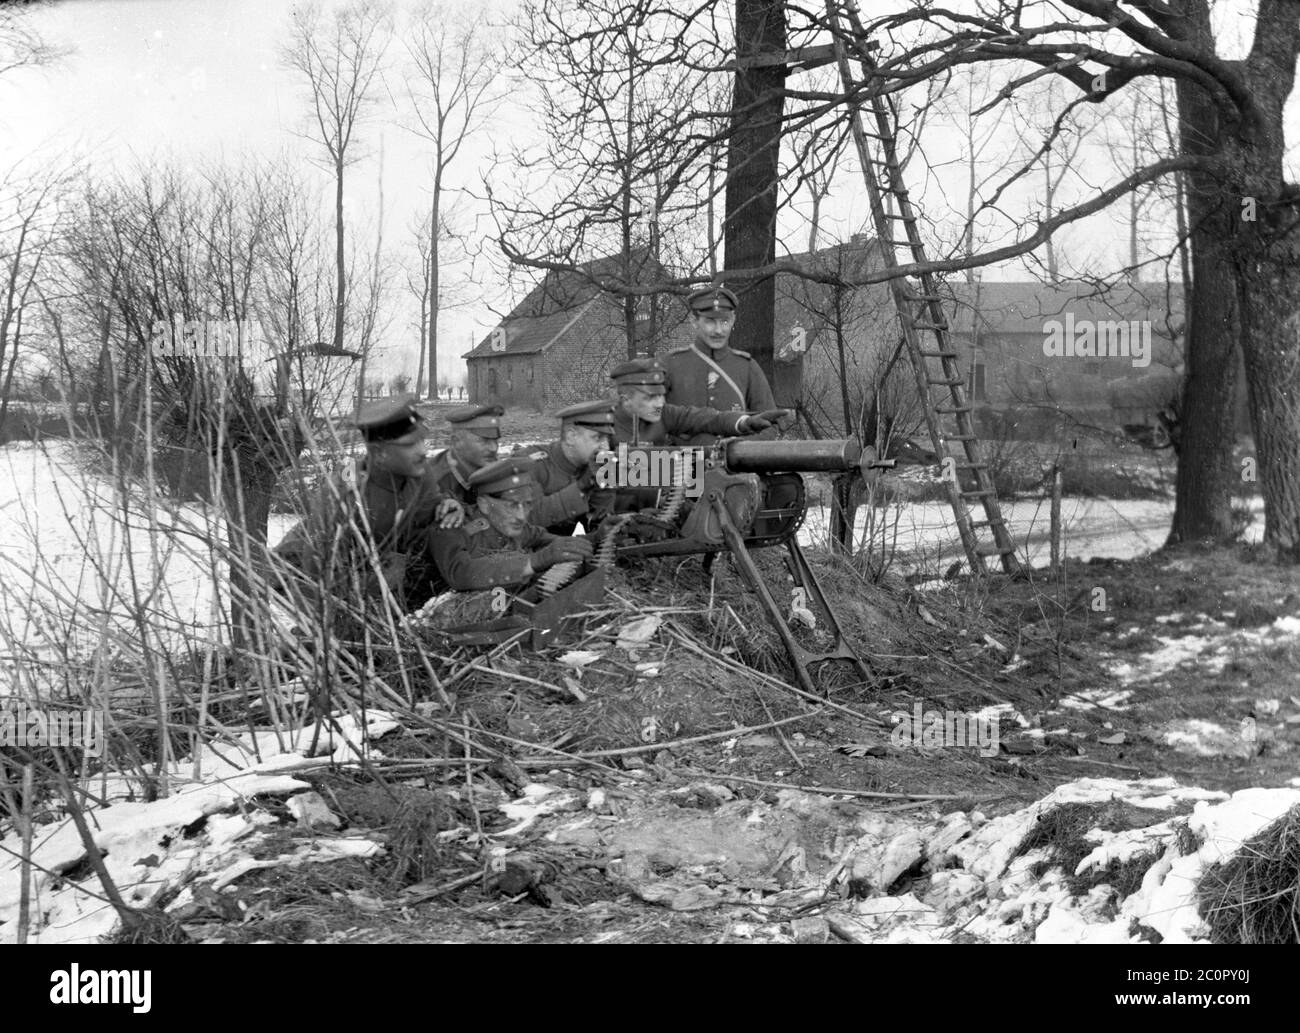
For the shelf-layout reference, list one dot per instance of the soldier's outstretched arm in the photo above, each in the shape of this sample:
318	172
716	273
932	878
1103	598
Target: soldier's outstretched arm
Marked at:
686	421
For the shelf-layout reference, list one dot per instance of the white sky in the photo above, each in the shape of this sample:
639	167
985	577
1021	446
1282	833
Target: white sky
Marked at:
201	78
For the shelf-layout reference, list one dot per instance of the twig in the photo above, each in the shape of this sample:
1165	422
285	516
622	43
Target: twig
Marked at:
672	743
25	870
469	782
1103	764
750	672
831	791
416	895
780	734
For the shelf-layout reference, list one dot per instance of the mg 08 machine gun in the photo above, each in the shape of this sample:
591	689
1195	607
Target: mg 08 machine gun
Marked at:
736	496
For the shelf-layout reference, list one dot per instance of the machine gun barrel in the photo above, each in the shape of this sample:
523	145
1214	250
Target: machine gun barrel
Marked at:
792	456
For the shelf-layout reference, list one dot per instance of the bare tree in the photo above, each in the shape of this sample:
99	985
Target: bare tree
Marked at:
340	57
21	45
454	82
30	195
623	170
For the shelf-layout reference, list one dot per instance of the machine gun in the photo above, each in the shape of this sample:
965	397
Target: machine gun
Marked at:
752	497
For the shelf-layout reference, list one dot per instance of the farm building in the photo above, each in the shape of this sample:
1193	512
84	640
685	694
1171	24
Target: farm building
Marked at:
558	344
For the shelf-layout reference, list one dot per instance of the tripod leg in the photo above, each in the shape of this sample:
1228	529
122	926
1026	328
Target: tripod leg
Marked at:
745	564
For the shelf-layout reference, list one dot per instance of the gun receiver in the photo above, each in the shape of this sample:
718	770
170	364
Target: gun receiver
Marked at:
753	497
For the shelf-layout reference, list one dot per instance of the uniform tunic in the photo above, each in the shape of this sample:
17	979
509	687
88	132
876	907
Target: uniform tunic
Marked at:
676	423
692	381
476	556
452	476
394	517
560	502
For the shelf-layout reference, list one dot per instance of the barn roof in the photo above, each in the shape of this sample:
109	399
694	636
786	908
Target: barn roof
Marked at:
558	301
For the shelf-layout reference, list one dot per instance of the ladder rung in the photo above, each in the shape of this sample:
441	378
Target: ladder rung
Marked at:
977	493
945	383
994	550
924	297
950	412
939	355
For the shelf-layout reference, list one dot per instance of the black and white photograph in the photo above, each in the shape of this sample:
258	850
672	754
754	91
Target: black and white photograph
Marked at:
577	472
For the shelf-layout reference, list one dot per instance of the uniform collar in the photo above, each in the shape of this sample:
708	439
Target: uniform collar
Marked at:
456	469
558	457
628	426
704	351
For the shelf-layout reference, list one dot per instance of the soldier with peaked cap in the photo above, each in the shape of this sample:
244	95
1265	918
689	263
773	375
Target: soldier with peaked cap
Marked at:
475	436
565	469
376	513
709	372
499	546
643	416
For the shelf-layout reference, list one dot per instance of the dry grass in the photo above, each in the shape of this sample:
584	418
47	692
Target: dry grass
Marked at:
1255	896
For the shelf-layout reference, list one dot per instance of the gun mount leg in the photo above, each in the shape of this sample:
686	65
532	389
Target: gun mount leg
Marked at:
806	579
802	659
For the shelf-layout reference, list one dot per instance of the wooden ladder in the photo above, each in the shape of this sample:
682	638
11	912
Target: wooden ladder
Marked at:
948	412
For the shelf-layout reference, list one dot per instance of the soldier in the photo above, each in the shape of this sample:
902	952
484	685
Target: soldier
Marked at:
565	469
475	434
386	502
643	416
499	546
709	373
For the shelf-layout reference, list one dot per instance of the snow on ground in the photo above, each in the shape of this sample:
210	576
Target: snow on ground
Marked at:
1208	653
65	538
75	563
924	533
917	880
149	848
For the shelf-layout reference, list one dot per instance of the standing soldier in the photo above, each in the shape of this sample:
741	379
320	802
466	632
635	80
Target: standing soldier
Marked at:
499	547
475	435
709	373
377	512
565	469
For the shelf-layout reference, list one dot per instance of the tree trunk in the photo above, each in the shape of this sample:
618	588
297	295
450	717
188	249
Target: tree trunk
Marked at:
340	299
1271	342
753	156
435	236
1206	476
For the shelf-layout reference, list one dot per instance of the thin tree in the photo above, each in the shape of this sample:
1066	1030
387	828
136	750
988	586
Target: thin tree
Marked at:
341	58
454	83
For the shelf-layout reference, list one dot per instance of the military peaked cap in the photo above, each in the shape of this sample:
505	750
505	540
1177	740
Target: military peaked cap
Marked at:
505	477
599	414
715	299
645	374
483	420
387	419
